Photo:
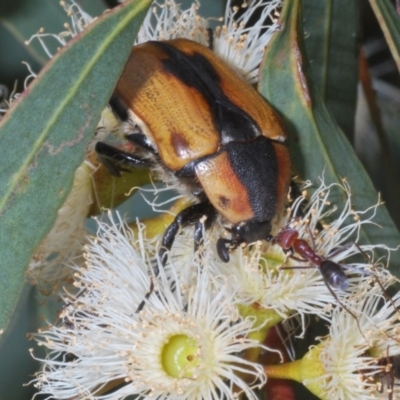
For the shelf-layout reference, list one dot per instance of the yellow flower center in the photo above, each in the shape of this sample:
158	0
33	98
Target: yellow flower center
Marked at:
180	356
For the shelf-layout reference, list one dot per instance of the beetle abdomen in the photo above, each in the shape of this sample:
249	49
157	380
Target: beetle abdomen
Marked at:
247	180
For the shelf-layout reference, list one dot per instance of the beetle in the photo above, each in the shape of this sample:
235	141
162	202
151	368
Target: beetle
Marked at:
194	116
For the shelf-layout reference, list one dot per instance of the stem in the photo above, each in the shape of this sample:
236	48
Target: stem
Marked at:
290	370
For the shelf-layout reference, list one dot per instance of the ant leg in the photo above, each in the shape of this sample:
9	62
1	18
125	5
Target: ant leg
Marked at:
346	309
114	159
390	373
311	238
146	296
341	249
395	361
387	372
298	259
332	272
293	257
287	268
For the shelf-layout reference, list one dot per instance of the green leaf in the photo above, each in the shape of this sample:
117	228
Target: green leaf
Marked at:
332	43
44	136
389	21
376	144
318	146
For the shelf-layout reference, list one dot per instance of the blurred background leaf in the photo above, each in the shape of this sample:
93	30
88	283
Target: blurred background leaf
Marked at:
332	42
389	21
19	20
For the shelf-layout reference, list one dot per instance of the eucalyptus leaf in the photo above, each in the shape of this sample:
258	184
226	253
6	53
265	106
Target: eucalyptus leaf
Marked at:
318	146
374	142
331	32
45	135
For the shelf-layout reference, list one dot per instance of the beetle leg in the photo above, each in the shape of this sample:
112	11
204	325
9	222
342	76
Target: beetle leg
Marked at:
222	249
188	171
295	193
191	215
210	34
114	159
198	235
146	296
209	219
188	216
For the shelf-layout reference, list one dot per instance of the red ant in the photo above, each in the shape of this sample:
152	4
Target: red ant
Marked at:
332	273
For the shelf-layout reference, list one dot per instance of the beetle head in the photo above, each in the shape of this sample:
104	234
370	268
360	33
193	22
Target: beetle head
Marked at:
247	232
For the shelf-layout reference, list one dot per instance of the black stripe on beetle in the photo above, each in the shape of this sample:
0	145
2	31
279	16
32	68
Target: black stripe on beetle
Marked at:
259	176
196	71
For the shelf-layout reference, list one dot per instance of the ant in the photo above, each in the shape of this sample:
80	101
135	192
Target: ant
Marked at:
332	273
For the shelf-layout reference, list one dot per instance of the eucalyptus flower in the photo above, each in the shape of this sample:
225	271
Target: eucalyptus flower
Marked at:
233	40
185	343
355	360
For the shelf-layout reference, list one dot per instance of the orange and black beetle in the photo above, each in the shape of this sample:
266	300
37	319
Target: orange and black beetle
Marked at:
203	123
